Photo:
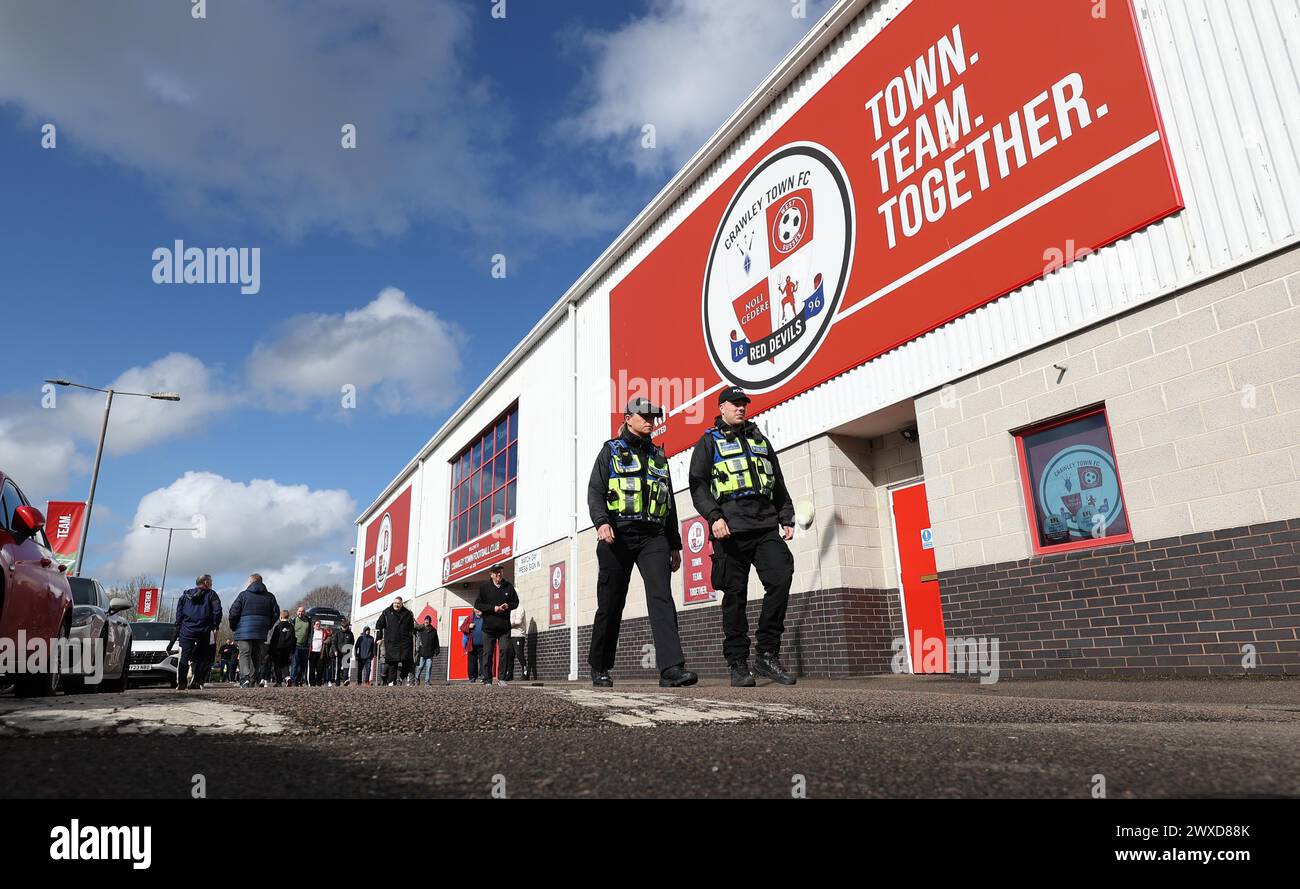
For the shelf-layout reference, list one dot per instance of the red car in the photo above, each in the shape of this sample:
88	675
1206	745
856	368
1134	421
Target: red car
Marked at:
34	592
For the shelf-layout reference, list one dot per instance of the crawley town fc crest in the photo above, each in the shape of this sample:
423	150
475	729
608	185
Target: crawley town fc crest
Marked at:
695	538
778	267
383	552
1079	493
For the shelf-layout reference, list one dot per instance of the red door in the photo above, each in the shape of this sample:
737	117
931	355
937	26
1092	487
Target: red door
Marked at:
922	610
458	659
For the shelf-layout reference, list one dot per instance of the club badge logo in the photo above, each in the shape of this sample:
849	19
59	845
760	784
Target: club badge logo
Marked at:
769	299
695	538
383	552
1078	493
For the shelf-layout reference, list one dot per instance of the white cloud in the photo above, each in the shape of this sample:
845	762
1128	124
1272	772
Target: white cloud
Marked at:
683	67
136	423
239	117
43	447
39	456
261	526
293	581
241	113
399	357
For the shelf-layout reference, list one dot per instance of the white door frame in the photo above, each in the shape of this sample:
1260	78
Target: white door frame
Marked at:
898	562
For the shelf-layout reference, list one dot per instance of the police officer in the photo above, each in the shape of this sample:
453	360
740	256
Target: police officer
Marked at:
736	484
630	498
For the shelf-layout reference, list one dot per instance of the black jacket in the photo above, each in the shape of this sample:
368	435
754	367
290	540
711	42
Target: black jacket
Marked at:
598	490
426	641
281	640
397	631
754	513
365	647
489	597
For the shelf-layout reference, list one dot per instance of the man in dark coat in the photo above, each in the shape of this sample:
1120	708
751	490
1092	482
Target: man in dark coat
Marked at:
364	654
280	645
343	640
471	629
198	616
251	617
427	648
396	629
227	655
496	599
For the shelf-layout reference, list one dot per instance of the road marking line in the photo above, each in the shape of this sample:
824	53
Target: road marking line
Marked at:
642	709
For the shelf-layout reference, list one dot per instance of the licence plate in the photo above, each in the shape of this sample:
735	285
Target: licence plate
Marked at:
142	666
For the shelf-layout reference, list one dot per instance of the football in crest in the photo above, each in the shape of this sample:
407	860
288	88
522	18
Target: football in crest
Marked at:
790	225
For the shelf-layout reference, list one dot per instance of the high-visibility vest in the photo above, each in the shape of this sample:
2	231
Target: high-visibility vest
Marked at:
742	465
639	486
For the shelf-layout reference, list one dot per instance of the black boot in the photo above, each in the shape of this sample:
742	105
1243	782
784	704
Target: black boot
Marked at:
600	678
769	666
740	675
677	677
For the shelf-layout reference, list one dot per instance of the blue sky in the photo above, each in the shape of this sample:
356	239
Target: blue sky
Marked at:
476	136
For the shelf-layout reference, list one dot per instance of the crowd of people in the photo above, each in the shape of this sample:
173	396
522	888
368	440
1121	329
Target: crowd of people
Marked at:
270	648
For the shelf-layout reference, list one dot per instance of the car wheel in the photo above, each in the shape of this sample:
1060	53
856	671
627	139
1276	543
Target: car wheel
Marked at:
44	684
119	685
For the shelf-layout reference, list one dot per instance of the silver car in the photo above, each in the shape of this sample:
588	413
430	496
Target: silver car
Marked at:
151	661
94	617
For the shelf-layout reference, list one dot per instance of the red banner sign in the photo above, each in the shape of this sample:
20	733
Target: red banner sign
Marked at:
558	602
146	606
697	562
969	149
63	523
384	571
498	545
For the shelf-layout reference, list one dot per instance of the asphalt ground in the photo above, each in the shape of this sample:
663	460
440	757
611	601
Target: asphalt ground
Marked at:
886	737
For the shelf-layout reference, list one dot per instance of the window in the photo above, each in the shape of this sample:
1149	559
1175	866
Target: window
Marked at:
10	500
1072	484
483	480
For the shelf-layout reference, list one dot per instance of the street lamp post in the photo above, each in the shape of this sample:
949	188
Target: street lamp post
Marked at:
99	453
163	590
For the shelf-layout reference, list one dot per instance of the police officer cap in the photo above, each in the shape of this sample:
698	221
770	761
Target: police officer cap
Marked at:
644	407
734	394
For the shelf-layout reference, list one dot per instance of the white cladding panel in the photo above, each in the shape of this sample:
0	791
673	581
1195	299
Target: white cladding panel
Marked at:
538	383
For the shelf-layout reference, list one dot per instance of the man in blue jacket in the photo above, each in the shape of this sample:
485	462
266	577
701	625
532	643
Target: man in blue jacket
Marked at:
251	617
198	616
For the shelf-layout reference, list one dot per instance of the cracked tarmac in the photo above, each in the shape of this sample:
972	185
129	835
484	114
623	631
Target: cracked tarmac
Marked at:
130	715
891	737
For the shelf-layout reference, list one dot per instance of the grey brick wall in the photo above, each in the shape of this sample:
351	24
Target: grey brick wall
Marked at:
1181	605
834	633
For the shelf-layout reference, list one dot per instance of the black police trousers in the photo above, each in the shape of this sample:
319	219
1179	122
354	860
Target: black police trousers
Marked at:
650	556
768	553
